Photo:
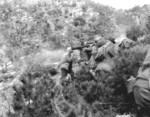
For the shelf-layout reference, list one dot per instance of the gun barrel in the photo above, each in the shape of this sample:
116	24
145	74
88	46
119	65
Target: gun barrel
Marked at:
90	42
80	47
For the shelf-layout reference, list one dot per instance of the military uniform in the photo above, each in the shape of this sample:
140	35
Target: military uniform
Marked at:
110	48
86	54
126	44
97	53
141	87
107	50
65	64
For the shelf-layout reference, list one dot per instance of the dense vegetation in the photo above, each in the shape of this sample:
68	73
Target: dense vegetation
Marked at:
27	30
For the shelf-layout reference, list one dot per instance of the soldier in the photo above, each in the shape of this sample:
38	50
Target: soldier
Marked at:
97	50
88	50
85	54
141	88
97	54
65	64
107	49
126	43
102	50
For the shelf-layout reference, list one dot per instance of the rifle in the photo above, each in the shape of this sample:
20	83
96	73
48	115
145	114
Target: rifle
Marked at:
80	47
92	42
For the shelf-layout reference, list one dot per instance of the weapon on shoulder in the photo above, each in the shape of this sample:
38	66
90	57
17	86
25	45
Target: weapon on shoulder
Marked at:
91	43
80	47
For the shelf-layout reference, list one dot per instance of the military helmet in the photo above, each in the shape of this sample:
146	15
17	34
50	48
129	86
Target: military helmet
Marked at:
101	42
69	50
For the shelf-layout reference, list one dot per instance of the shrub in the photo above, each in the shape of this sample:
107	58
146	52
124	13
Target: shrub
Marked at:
83	94
35	97
134	32
127	64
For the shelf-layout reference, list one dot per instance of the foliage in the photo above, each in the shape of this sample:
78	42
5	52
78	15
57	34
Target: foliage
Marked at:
52	23
35	97
62	23
127	64
105	23
83	94
134	32
123	18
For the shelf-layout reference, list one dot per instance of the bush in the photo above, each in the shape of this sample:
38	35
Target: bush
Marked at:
83	94
134	32
94	95
127	64
35	97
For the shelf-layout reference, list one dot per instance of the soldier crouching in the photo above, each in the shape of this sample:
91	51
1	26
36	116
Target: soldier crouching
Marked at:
65	65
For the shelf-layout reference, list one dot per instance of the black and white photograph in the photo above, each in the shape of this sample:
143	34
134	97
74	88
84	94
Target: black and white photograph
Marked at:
74	58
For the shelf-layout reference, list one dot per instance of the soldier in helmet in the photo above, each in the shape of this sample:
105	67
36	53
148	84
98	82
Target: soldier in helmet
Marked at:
96	57
103	49
65	64
127	43
85	52
106	49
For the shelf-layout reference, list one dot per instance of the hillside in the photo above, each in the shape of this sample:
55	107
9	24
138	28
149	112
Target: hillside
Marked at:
33	38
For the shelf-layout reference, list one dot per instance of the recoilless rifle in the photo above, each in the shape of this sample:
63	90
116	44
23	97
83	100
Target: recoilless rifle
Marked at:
81	47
